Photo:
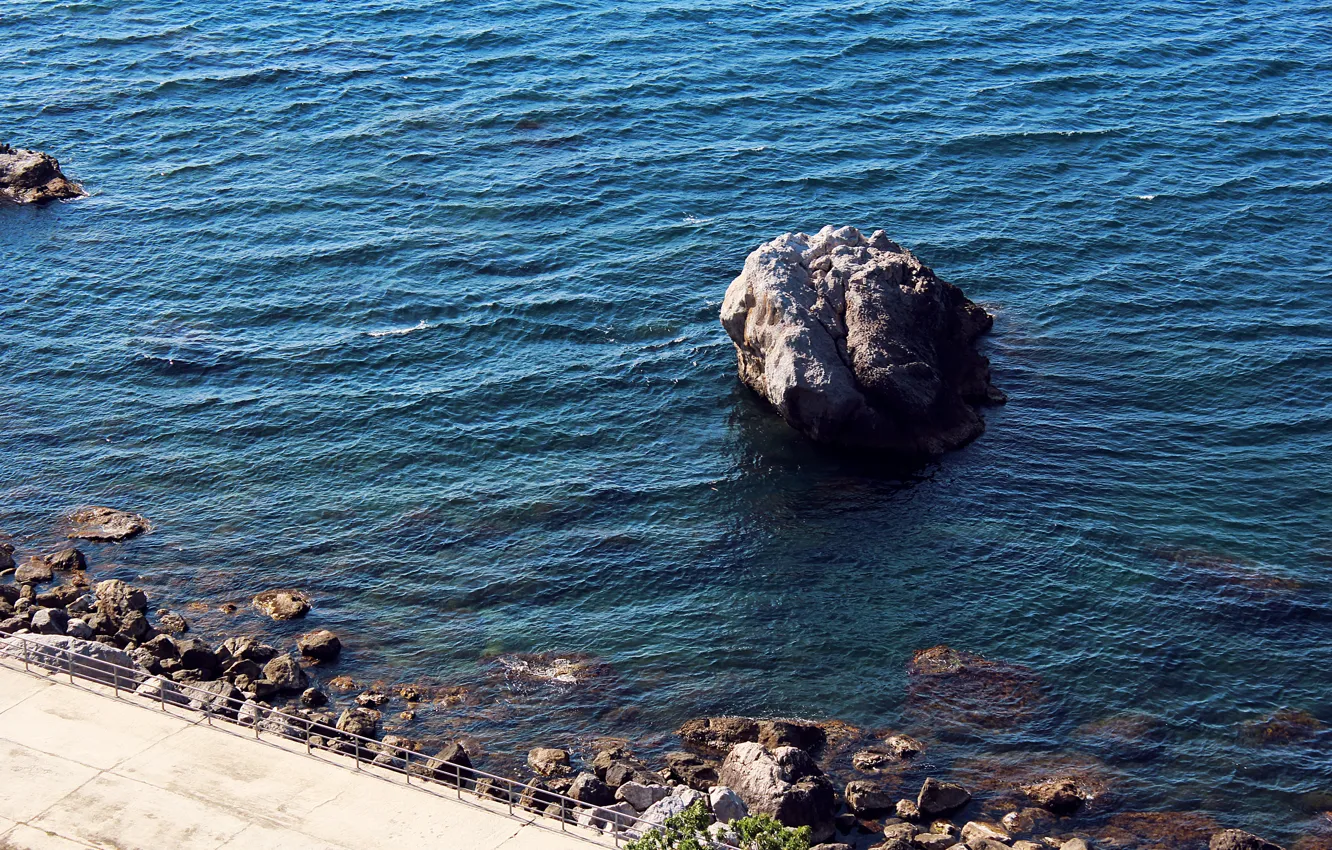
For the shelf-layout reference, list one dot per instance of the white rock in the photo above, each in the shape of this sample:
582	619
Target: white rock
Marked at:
682	797
77	628
640	796
726	804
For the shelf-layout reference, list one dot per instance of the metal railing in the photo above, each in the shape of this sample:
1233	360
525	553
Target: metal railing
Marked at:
419	771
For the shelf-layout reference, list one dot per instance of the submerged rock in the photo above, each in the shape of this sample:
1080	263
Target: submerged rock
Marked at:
951	687
33	177
106	524
857	343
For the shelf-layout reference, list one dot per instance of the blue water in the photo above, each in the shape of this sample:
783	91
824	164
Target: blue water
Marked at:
414	306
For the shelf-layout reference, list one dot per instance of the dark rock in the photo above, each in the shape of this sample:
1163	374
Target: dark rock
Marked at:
12	624
245	648
172	623
549	761
134	627
284	672
941	798
451	765
313	698
33	177
1238	839
284	604
194	654
49	621
1028	821
809	737
59	597
68	559
904	746
33	571
115	599
243	669
105	524
784	783
629	771
145	659
1062	796
859	344
689	769
9	593
101	624
719	734
865	798
587	788
321	645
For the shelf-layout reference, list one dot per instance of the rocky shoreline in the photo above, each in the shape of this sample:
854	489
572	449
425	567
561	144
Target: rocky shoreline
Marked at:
33	177
851	788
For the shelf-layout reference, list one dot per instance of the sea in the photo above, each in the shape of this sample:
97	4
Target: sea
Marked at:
414	306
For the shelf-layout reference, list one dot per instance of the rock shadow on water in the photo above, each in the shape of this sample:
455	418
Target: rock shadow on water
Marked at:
1130	736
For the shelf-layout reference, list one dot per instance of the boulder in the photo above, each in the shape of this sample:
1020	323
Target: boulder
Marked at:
196	655
616	818
907	810
1238	839
1062	796
247	648
373	699
589	789
689	769
172	623
549	761
784	783
451	764
67	559
59	597
680	799
809	737
49	621
105	524
856	343
134	627
77	628
321	645
1028	821
91	660
641	796
359	721
33	571
726	804
904	746
866	798
313	698
621	772
286	674
218	697
116	598
977	831
33	177
283	604
941	798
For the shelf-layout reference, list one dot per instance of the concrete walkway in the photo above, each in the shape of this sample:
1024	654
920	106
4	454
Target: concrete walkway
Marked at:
80	769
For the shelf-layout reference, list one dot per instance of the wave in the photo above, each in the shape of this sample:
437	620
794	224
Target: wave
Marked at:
423	325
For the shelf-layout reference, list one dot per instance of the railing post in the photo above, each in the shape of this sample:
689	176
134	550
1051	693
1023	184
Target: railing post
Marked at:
161	691
308	727
407	764
26	669
115	679
69	663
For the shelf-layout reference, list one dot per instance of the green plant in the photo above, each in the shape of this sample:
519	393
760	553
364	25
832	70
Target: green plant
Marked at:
688	830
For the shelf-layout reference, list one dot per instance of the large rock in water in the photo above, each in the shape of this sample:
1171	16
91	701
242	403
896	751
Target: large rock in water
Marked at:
858	344
32	177
784	783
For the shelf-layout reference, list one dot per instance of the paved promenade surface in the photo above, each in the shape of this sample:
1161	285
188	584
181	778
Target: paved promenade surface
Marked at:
80	769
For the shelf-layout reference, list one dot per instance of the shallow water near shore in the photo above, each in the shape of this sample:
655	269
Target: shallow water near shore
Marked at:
414	306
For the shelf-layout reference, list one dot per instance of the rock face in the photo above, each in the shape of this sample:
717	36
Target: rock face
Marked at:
857	343
321	645
32	177
941	798
784	783
548	761
105	524
1238	839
